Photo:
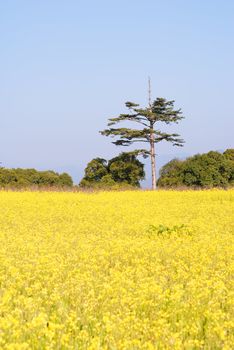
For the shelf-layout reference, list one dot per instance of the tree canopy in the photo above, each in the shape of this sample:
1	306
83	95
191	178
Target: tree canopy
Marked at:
32	177
148	119
125	170
212	169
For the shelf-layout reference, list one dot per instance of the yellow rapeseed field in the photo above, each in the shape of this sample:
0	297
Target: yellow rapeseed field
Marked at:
120	270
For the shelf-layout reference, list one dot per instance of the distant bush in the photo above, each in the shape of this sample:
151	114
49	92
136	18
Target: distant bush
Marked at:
122	172
19	178
212	169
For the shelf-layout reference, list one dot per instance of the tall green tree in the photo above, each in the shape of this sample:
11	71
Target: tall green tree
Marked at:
149	120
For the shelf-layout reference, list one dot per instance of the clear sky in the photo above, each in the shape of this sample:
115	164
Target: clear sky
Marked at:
66	66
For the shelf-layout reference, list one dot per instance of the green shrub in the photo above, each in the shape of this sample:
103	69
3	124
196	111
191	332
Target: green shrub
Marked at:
19	178
123	171
212	169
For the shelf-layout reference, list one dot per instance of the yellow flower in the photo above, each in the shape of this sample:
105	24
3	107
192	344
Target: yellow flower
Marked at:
128	270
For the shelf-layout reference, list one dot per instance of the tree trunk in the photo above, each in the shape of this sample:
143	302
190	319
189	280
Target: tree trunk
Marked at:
152	157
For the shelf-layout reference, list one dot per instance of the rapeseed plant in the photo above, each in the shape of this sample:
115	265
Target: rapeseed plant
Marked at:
128	270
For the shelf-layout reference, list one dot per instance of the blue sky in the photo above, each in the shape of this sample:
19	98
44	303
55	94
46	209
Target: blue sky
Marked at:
66	66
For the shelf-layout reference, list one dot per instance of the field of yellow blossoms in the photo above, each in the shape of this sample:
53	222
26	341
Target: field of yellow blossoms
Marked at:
120	270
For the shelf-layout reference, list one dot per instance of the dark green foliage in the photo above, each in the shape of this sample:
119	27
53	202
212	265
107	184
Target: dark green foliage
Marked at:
31	177
171	174
167	232
229	153
212	169
96	169
161	110
106	182
124	169
148	119
65	180
95	172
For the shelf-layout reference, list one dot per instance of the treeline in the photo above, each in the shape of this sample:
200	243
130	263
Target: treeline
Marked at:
22	178
212	169
208	170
